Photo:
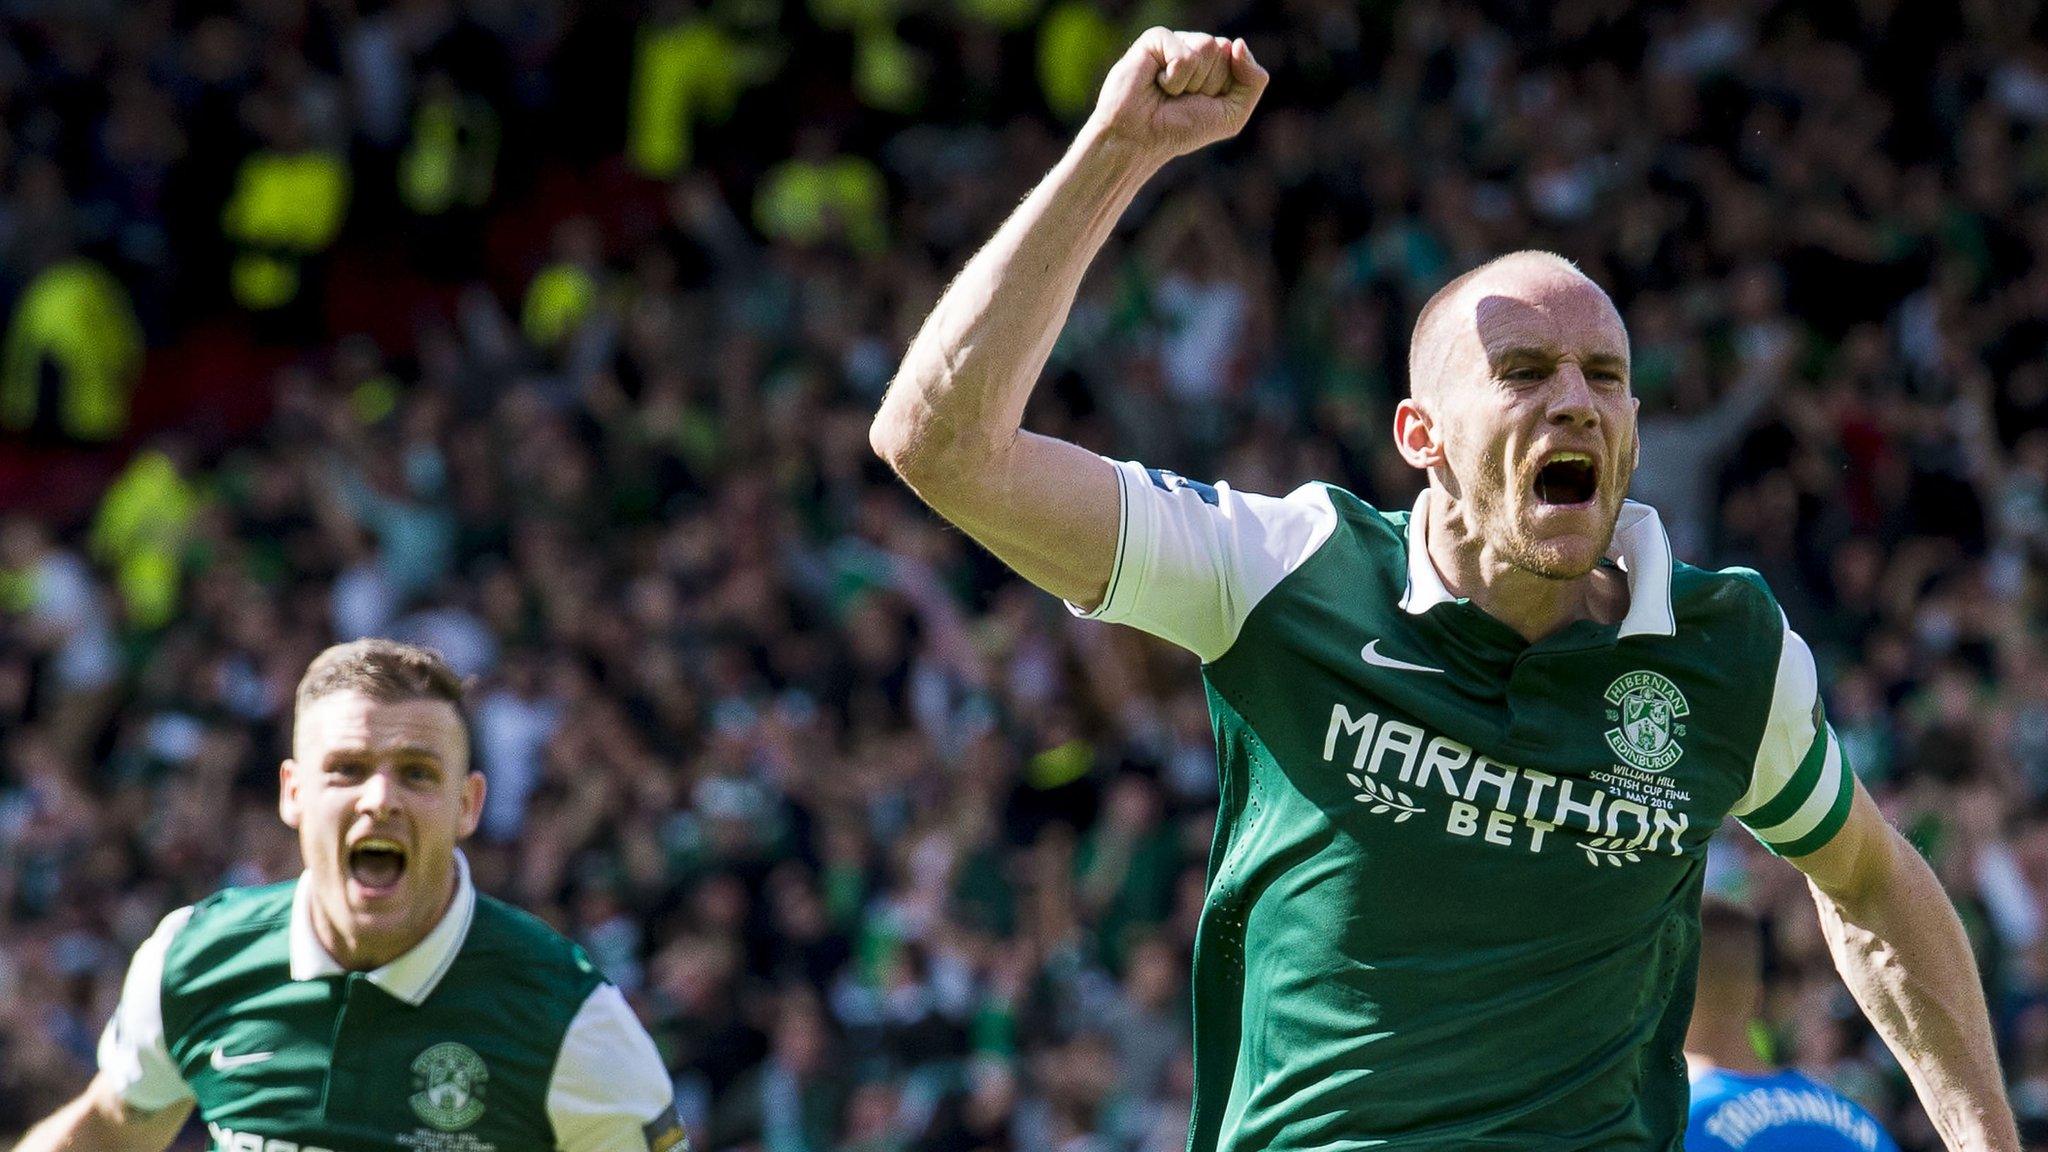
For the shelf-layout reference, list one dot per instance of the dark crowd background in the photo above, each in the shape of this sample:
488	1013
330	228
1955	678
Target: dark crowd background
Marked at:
548	333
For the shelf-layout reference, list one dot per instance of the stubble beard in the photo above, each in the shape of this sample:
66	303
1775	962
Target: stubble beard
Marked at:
1543	559
1550	560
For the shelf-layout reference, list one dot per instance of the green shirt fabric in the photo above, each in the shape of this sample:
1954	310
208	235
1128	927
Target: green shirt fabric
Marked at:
1453	894
494	1034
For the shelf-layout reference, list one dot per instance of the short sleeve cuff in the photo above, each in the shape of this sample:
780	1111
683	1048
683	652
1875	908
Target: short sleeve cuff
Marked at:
610	1089
1125	514
133	1053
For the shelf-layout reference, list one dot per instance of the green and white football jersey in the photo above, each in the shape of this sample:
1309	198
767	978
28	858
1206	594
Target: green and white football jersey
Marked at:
493	1034
1453	895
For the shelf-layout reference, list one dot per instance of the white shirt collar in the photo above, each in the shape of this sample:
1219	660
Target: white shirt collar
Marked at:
1640	547
411	977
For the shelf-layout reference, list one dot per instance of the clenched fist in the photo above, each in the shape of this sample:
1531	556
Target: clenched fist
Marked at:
1174	92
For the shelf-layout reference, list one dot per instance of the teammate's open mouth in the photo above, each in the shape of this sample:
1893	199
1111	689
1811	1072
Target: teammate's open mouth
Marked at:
1567	478
376	863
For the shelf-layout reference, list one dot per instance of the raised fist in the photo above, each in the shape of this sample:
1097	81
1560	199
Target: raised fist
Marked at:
1174	92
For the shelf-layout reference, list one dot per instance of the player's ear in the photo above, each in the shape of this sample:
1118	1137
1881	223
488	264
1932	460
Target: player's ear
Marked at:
473	789
288	808
1415	435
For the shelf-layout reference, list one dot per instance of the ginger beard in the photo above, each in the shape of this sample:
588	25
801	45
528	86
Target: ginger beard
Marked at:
1551	515
1536	421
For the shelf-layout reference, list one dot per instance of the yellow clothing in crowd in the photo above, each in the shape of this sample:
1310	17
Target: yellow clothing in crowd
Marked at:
285	206
76	319
557	300
140	532
684	74
810	201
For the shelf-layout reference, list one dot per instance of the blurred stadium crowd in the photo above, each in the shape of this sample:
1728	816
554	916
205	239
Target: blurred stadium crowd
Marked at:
560	325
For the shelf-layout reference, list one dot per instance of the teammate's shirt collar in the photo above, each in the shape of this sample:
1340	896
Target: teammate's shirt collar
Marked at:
411	977
1640	547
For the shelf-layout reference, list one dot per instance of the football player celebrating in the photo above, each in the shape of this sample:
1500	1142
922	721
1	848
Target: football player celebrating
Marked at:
378	1003
1472	752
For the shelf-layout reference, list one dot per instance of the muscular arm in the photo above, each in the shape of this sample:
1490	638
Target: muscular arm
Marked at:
98	1121
951	422
1900	948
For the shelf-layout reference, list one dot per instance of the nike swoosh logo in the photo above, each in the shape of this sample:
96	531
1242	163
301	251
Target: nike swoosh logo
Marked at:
1371	655
222	1062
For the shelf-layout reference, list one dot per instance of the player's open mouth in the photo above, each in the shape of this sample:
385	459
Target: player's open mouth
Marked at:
1567	478
376	864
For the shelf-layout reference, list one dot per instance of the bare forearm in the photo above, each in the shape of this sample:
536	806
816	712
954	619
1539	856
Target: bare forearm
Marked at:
74	1126
97	1121
963	385
950	424
1902	951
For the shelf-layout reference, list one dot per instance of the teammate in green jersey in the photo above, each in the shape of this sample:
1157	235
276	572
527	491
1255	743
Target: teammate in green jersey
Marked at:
378	1003
1471	753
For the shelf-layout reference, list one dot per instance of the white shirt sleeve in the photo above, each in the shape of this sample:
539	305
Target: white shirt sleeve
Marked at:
1801	786
610	1091
133	1053
1193	560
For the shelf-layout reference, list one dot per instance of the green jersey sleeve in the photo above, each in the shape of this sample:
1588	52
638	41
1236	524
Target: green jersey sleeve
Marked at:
1801	786
1194	559
132	1051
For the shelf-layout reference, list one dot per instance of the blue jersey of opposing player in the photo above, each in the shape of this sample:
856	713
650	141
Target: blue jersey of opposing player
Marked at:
1777	1112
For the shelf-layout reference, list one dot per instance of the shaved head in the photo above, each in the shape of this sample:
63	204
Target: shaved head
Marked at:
1437	334
1519	408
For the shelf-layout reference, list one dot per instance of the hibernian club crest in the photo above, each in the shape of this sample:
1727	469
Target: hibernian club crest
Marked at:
1647	709
450	1081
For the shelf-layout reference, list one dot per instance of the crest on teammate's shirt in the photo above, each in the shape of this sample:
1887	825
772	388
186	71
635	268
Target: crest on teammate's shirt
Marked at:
450	1079
1646	708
